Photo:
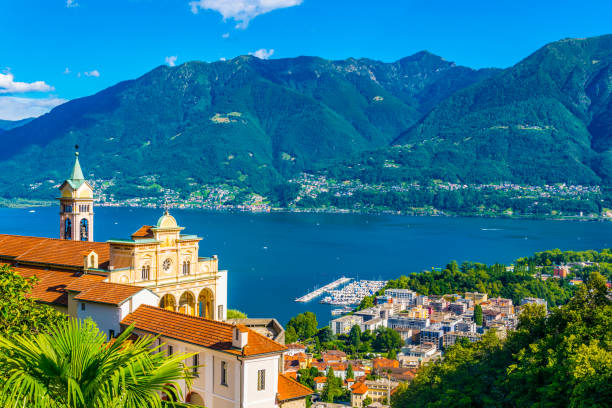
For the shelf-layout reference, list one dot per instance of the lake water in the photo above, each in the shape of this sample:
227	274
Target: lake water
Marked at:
274	258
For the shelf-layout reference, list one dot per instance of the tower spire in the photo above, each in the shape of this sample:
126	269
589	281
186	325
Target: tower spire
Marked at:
77	173
76	205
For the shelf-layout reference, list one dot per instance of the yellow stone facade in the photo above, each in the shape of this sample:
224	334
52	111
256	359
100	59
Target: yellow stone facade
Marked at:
165	261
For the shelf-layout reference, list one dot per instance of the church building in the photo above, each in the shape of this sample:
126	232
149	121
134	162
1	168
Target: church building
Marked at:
157	281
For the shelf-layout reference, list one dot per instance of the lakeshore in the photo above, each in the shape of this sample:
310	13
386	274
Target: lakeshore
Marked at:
28	203
273	258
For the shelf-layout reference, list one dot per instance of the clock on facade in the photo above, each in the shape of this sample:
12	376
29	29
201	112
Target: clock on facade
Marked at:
166	265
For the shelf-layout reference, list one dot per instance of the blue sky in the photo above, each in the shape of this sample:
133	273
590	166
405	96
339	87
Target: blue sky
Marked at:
56	50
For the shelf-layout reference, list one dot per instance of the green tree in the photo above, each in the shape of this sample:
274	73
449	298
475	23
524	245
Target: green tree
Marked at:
367	401
349	372
306	376
478	315
72	366
290	335
387	339
332	388
304	324
235	314
392	355
20	314
325	335
355	336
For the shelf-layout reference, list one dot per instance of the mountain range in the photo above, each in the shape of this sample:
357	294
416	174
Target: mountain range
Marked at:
256	123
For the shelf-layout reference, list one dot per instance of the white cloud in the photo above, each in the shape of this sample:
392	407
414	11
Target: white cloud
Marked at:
222	59
8	85
242	11
262	53
94	73
15	108
67	71
225	35
71	3
171	60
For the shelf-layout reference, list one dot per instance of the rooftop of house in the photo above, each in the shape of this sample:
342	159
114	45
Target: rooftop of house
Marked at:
202	332
51	251
290	389
381	362
52	284
104	292
295	346
143	232
359	388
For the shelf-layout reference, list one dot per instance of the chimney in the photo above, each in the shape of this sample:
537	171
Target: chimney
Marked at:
240	336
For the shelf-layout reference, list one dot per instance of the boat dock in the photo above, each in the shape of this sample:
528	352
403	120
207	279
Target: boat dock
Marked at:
318	292
353	293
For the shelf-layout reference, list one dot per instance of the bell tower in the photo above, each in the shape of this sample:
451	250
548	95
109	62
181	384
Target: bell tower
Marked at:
76	205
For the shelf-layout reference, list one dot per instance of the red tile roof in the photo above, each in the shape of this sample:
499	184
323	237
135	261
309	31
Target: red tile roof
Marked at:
289	389
381	362
320	379
85	282
143	232
51	251
110	293
202	332
359	388
52	284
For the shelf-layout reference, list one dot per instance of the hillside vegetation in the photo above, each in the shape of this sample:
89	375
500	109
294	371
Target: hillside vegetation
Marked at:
254	125
247	122
544	120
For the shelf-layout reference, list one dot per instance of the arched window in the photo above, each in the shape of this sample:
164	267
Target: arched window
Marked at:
84	230
145	272
186	267
67	229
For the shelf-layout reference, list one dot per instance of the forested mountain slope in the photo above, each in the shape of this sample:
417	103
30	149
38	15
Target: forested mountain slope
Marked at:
245	121
546	119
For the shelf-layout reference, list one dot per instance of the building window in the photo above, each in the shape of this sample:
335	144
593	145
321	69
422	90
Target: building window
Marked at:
237	334
145	272
196	364
84	230
186	267
261	380
67	229
111	334
170	350
82	306
223	373
220	312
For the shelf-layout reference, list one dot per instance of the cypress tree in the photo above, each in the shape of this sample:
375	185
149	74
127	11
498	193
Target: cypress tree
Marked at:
478	315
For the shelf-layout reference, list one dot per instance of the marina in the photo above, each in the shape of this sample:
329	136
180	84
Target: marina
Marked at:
318	292
353	293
